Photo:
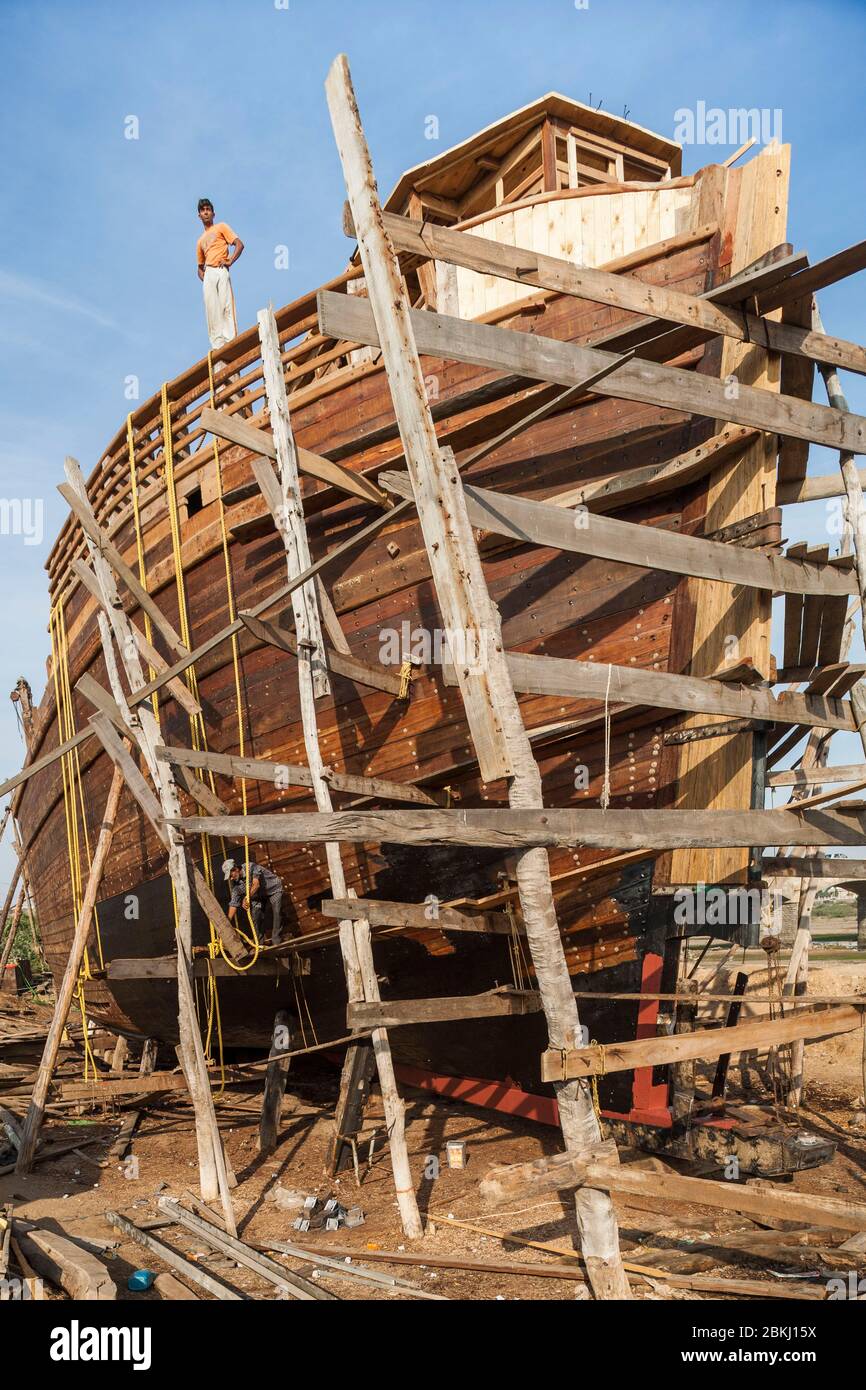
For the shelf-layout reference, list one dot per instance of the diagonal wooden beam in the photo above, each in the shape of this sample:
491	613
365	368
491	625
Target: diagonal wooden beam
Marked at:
659	303
106	547
63	1002
706	1043
277	600
350	317
259	441
812	776
816	277
179	690
286	774
651	547
377	678
105	726
466	609
597	680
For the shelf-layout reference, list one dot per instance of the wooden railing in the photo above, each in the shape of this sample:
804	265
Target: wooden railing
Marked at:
311	363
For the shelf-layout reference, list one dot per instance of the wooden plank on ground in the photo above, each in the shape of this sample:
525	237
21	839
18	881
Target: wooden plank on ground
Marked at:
806	1208
190	1269
72	1268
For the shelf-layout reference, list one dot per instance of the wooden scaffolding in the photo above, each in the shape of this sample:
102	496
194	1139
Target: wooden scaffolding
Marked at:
822	598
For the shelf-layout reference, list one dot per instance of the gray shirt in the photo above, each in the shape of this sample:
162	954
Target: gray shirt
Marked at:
268	882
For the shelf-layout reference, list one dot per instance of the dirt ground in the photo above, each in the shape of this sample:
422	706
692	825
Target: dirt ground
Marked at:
73	1193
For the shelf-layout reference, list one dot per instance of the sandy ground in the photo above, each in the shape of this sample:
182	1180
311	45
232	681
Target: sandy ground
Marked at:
74	1194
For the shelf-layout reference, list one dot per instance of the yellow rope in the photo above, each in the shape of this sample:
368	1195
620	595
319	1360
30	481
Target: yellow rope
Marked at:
237	679
139	547
405	680
595	1076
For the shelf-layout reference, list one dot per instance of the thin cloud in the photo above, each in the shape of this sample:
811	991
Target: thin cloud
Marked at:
37	292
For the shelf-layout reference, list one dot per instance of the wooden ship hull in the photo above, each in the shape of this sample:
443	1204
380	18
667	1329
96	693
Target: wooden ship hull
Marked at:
595	191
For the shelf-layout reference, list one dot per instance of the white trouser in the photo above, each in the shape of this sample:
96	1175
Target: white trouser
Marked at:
219	306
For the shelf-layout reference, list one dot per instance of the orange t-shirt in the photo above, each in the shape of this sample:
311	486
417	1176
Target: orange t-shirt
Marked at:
213	244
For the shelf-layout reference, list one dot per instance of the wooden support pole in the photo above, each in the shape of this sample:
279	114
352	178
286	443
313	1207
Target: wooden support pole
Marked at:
118	1061
706	1043
12	932
796	980
4	913
855	510
275	1082
355	944
491	706
148	1057
144	730
683	1073
36	1108
720	1080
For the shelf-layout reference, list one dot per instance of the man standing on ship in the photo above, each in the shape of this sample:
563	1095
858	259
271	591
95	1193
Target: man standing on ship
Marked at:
218	249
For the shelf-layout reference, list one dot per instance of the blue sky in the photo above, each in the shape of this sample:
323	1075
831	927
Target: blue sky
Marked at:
97	275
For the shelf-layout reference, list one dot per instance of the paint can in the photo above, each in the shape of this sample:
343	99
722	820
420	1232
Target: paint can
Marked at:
455	1153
